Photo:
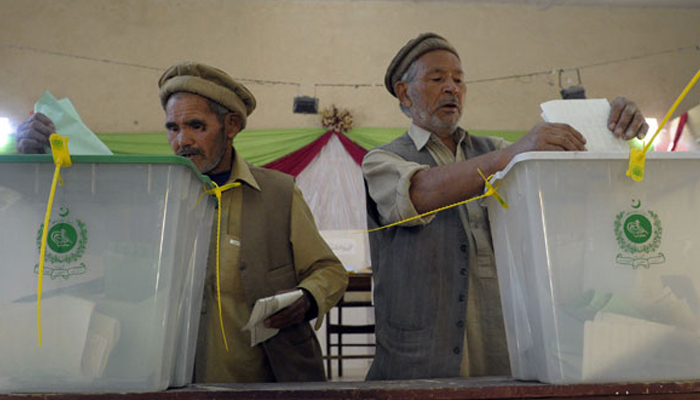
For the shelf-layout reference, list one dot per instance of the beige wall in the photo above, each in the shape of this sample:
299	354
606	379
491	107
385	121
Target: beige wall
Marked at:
332	42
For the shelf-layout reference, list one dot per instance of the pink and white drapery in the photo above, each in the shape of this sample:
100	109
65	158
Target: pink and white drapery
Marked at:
329	175
294	163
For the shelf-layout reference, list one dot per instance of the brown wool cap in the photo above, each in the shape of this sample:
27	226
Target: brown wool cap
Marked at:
425	42
209	82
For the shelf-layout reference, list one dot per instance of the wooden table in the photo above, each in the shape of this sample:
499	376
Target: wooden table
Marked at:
436	389
359	282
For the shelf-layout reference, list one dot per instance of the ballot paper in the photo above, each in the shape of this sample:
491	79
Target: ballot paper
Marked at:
103	335
617	347
77	340
588	116
8	197
81	140
667	308
264	308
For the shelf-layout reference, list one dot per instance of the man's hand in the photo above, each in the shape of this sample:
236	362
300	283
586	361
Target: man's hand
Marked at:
33	134
550	137
292	315
626	121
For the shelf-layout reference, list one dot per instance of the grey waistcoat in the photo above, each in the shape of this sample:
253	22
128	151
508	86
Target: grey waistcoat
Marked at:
421	281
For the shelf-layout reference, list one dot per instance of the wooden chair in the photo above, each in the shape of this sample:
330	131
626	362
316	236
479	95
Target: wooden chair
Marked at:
358	282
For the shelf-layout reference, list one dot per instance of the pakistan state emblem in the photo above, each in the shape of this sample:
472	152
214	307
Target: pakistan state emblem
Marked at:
638	233
66	242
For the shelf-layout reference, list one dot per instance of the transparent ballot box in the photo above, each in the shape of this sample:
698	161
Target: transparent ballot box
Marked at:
124	269
599	274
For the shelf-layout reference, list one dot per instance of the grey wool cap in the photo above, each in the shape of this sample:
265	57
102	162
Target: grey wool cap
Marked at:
209	82
424	43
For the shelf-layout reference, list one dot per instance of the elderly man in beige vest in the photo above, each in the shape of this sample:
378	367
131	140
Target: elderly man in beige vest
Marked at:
437	305
269	241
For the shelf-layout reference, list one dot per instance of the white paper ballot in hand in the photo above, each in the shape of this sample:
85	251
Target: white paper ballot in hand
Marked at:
264	308
588	116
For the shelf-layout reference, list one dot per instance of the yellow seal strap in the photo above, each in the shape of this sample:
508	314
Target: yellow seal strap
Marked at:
635	170
490	191
61	158
216	191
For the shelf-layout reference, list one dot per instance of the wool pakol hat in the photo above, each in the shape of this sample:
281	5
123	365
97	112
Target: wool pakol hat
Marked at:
209	82
424	43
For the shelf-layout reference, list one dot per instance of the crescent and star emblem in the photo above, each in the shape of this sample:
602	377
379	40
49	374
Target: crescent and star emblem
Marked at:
636	203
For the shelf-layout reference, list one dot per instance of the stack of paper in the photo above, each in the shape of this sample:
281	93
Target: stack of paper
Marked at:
76	340
605	336
616	347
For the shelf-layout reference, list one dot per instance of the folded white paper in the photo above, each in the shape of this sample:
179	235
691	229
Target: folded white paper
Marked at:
588	116
103	335
264	308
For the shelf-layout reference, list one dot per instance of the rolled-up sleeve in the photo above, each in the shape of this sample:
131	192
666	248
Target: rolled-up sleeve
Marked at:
318	269
388	179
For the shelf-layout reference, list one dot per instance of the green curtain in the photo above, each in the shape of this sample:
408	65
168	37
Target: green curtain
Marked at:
369	138
259	147
8	147
136	143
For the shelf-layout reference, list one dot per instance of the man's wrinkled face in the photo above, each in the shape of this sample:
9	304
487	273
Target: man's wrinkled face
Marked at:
194	131
435	97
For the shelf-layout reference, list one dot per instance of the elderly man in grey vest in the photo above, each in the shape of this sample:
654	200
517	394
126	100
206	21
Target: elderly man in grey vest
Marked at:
437	304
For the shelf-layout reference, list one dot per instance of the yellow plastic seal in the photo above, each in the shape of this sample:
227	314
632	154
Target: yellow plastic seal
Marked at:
217	191
490	191
635	170
59	150
61	158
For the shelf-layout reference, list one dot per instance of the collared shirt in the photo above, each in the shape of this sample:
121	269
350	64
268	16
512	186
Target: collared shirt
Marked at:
243	363
389	180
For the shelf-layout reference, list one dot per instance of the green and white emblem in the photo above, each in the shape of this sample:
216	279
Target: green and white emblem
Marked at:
638	233
66	242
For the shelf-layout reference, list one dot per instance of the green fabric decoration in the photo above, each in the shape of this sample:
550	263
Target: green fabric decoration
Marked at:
10	146
259	147
136	143
369	138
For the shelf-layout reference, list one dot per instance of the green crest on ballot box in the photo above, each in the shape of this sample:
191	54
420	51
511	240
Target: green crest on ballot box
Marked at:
66	242
638	233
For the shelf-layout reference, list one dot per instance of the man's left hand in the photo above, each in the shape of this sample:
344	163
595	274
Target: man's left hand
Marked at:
626	121
292	315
